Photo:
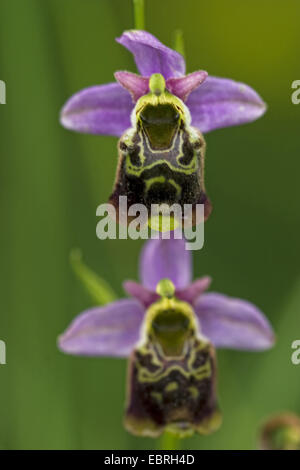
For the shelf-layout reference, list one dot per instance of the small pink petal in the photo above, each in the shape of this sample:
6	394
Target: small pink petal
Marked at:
183	86
141	293
135	84
192	292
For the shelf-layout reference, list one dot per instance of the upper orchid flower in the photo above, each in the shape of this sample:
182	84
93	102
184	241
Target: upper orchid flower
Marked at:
161	115
169	329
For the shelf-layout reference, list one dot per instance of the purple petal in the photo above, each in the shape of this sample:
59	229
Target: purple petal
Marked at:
163	259
183	86
135	84
220	102
151	56
193	291
233	323
141	293
103	109
112	330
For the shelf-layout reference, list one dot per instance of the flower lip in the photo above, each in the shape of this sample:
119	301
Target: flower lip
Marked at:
170	323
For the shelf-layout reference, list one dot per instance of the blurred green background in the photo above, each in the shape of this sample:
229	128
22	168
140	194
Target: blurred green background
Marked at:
52	180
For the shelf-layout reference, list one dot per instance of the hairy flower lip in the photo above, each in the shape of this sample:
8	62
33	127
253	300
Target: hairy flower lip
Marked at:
213	104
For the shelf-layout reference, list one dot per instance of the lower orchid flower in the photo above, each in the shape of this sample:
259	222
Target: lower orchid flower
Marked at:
169	329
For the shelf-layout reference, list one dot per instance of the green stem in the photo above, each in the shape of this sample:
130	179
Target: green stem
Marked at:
179	42
169	441
139	14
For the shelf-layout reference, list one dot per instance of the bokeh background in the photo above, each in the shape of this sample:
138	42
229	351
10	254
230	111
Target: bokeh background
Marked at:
52	180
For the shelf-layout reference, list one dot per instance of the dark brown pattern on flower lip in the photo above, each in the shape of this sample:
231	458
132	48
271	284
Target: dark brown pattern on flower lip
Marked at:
178	392
168	169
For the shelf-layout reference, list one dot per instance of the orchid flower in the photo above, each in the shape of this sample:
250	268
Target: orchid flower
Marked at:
161	116
169	328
